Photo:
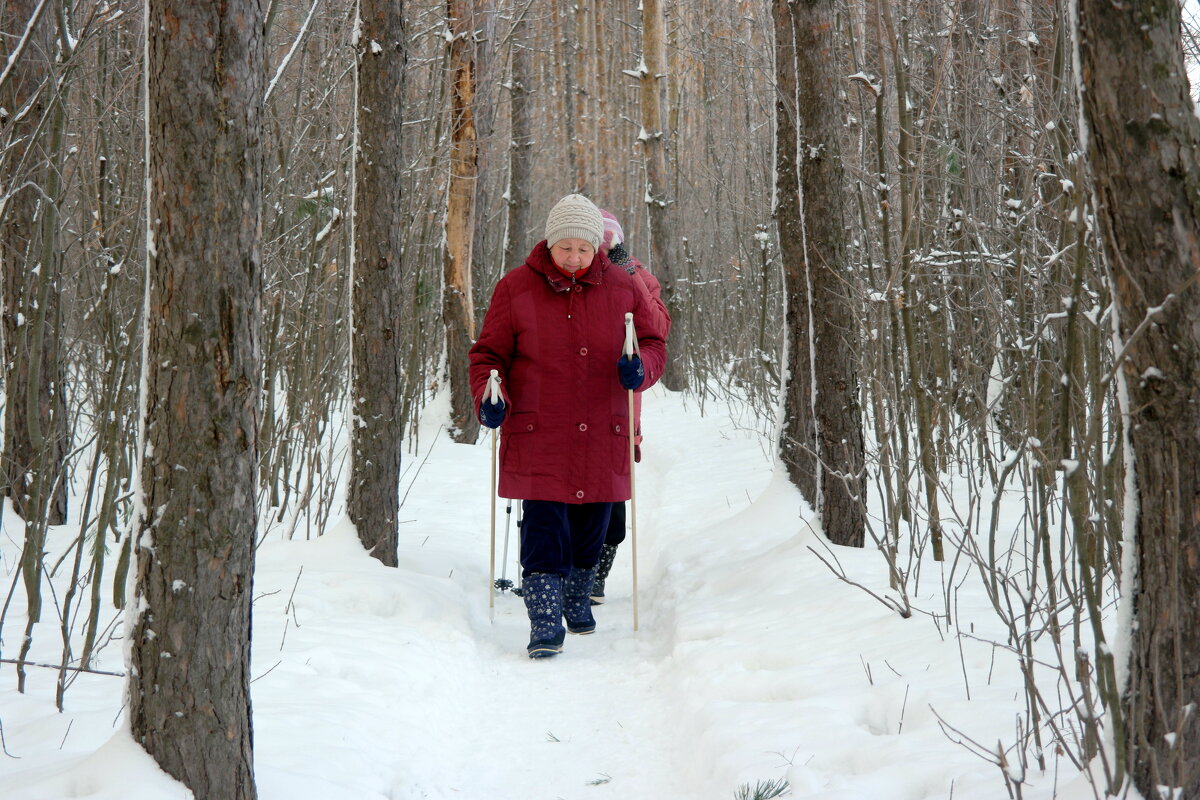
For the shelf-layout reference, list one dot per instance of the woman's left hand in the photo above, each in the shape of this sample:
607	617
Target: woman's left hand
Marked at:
630	370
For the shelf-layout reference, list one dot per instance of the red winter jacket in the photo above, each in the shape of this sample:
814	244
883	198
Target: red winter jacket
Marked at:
555	343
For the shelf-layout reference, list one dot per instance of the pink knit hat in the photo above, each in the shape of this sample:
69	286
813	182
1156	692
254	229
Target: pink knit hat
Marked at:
612	231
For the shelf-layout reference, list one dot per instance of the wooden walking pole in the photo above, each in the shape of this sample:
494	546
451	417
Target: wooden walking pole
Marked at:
493	394
630	348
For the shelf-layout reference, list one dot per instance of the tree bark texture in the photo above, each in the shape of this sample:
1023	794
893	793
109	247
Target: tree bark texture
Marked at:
1143	146
35	420
520	237
835	407
798	437
564	32
487	246
458	307
377	431
189	699
657	193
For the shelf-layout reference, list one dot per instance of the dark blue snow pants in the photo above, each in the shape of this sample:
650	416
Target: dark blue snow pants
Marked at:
557	536
616	525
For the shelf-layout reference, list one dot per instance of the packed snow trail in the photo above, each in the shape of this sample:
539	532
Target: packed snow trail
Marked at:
753	661
406	664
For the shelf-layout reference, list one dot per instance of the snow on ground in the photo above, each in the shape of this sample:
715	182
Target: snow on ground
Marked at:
753	662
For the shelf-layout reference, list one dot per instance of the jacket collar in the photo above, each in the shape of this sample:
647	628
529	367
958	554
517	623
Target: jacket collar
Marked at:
540	261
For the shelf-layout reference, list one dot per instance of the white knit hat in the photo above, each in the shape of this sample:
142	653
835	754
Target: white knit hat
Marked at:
574	217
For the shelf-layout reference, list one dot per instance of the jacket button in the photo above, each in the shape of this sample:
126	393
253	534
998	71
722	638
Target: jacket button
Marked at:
583	426
579	494
578	288
618	428
529	427
583	351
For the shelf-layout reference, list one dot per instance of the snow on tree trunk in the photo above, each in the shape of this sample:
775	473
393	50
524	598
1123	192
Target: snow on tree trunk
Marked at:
798	437
652	74
1143	144
189	699
377	433
834	336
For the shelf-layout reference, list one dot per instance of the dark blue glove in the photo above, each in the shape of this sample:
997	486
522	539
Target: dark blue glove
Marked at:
492	414
631	372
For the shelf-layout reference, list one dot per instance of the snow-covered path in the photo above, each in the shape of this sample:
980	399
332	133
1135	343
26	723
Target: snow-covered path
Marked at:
753	662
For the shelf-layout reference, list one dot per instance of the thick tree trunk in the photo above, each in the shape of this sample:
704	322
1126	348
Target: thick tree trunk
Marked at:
379	222
838	419
798	436
659	204
1144	149
35	420
458	307
189	698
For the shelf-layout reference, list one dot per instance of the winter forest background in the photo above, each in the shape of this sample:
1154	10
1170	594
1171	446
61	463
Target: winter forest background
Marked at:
880	229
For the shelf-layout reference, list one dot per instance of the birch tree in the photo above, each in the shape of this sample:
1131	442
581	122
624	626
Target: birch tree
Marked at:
189	671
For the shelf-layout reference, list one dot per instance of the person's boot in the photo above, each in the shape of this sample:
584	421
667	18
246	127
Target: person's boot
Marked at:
577	604
607	554
543	596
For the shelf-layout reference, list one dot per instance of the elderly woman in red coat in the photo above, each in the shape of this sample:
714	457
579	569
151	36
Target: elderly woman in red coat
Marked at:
554	331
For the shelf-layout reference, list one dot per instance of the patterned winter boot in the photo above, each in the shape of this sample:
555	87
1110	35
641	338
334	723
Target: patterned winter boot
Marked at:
607	554
543	595
577	604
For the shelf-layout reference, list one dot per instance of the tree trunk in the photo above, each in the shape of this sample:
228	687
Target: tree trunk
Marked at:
519	239
458	308
798	437
838	419
487	246
189	699
652	74
564	52
377	431
1143	146
35	420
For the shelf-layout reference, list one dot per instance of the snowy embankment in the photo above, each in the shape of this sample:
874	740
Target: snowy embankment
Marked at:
753	661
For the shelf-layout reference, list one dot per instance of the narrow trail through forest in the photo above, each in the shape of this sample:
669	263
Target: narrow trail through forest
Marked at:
752	662
464	712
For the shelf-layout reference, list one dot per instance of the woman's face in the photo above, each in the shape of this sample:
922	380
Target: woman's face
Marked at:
572	255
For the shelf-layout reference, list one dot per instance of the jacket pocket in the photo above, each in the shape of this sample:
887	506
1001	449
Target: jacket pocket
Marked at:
516	441
620	447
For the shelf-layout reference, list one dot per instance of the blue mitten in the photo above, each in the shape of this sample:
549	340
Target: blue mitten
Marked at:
491	415
631	372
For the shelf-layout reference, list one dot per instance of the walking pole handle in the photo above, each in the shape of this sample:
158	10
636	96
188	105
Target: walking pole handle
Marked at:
630	338
493	387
